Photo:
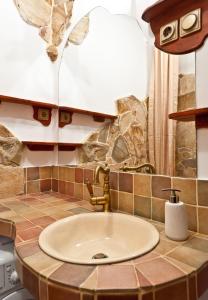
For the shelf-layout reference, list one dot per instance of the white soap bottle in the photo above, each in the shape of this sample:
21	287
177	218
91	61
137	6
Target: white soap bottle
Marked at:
176	221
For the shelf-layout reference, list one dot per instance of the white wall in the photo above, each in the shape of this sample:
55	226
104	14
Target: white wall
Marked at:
26	72
187	63
111	63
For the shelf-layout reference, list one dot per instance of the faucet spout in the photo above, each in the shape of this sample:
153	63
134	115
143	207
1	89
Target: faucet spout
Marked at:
145	168
105	199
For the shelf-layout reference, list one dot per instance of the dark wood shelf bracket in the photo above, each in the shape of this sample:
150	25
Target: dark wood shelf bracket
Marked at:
69	146
200	116
39	146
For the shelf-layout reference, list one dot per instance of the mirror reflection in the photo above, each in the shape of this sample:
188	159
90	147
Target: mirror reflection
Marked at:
110	66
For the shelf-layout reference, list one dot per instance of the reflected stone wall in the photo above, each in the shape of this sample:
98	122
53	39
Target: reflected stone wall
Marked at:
10	148
124	140
186	164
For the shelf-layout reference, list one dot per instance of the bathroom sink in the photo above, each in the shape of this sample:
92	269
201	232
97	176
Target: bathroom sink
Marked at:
98	238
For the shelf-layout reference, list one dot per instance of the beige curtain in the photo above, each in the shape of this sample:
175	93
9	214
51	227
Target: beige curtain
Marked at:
163	98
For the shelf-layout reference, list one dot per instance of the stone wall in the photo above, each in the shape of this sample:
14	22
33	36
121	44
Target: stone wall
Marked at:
124	140
10	148
52	17
186	164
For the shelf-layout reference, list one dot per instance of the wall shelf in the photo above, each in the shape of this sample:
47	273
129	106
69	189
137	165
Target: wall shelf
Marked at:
15	100
42	111
199	115
49	146
97	117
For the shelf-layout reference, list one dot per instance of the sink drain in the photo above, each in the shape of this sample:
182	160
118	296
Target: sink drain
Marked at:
99	256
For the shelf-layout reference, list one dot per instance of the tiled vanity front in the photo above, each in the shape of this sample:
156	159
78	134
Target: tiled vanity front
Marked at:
171	271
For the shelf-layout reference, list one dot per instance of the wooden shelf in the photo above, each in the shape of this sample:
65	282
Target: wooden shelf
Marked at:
98	117
42	111
199	115
49	146
14	100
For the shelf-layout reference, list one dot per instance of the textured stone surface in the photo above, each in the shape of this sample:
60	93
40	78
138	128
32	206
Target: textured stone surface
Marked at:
124	140
10	148
186	164
11	181
80	31
52	17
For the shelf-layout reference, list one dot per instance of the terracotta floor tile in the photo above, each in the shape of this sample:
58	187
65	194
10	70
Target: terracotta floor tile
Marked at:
61	215
143	281
29	234
79	210
164	247
182	266
173	292
41	261
202	282
198	244
46	220
192	288
91	282
189	256
87	297
56	293
31	282
117	297
28	249
116	277
149	256
72	275
33	215
24	225
43	290
148	296
159	271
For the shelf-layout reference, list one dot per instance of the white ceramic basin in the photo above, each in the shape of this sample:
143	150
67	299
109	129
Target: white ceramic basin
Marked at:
78	238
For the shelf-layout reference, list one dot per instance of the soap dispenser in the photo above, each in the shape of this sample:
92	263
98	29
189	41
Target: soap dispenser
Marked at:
176	221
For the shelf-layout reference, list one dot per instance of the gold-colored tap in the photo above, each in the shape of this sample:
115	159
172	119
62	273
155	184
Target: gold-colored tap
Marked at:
146	168
105	199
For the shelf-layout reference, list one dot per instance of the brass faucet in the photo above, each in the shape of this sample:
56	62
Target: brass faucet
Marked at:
148	168
105	199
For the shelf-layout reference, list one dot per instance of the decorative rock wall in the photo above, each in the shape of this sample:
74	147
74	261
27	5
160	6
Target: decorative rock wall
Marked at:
186	164
52	17
11	182
80	31
124	140
10	148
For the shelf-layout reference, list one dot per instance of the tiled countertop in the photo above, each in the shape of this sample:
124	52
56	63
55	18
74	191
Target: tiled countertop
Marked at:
173	270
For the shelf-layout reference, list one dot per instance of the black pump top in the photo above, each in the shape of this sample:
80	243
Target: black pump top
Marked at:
173	197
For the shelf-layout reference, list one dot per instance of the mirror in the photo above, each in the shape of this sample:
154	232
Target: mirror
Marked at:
106	68
186	162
